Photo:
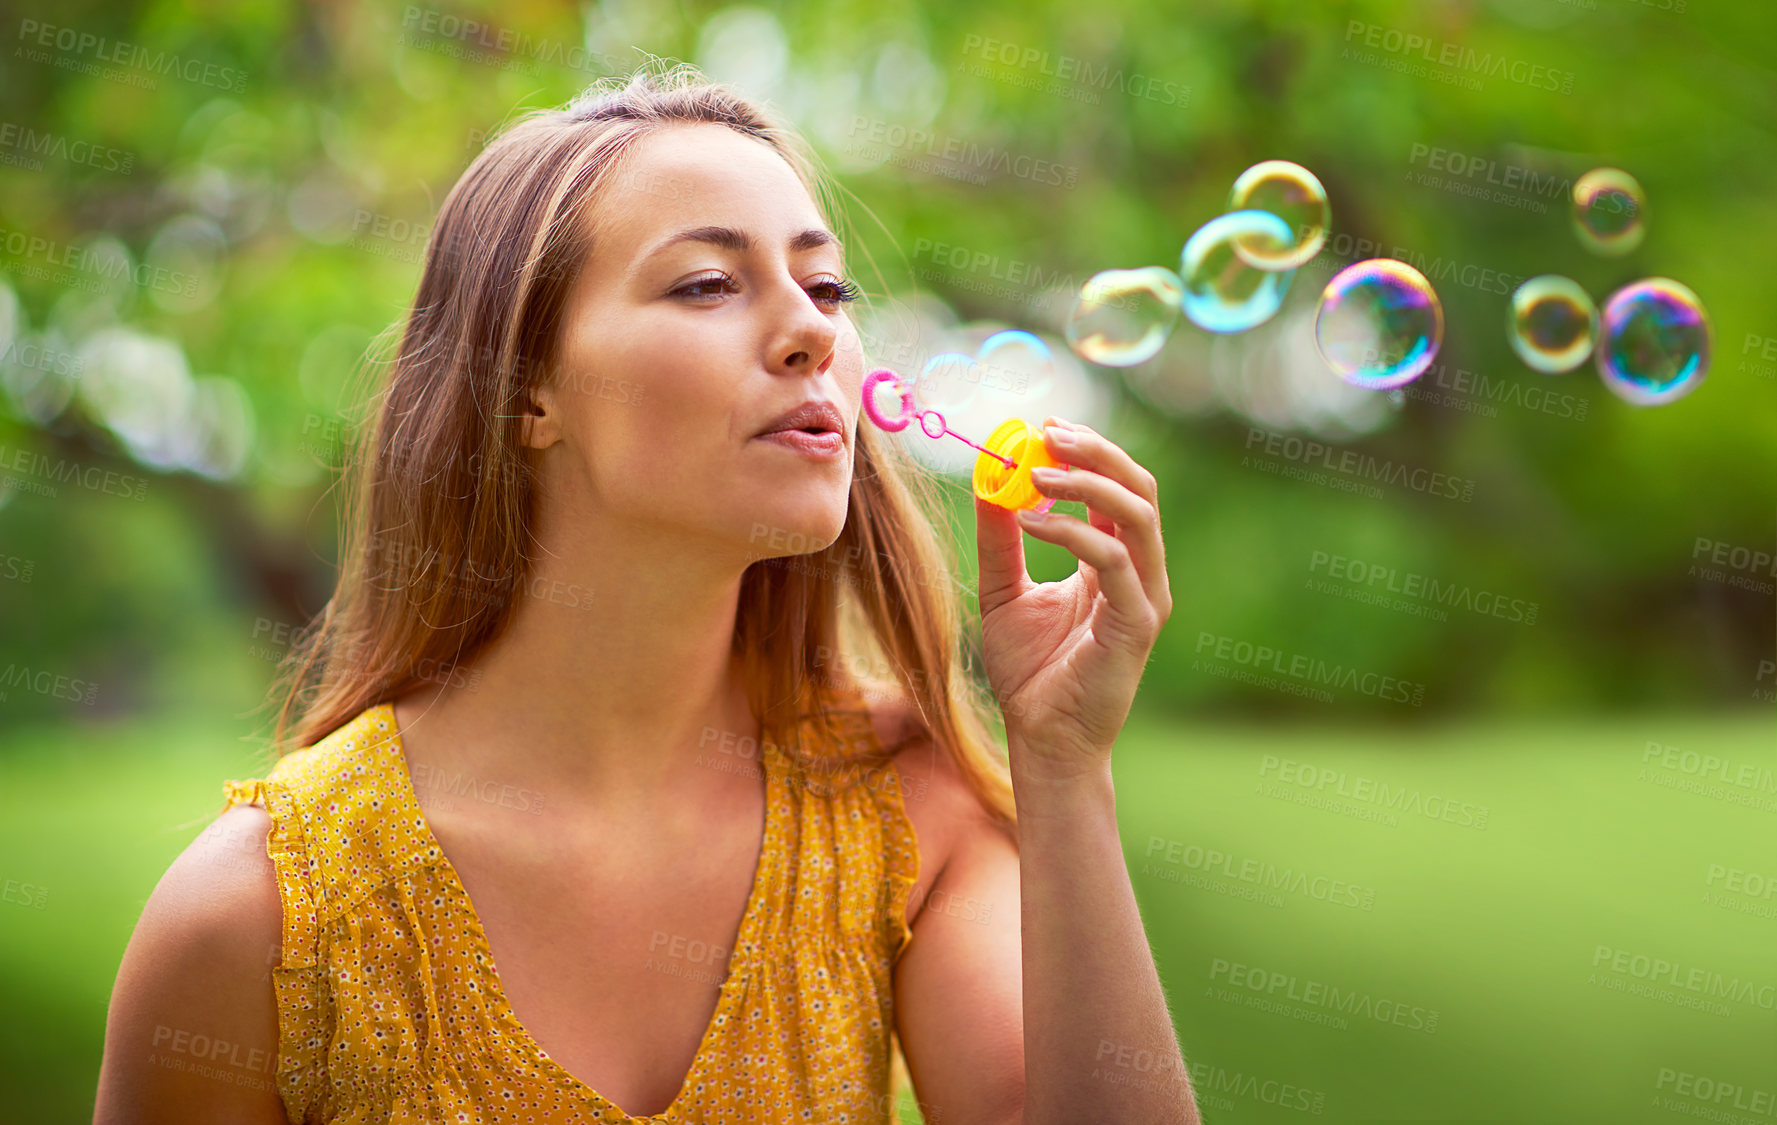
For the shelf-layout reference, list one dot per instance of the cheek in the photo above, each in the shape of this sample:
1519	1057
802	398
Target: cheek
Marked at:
691	414
670	400
675	440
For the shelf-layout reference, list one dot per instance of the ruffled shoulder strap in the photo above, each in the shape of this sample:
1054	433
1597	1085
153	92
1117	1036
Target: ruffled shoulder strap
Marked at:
343	823
853	823
360	817
304	999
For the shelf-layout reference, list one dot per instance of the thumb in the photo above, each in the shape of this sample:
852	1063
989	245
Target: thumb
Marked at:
999	544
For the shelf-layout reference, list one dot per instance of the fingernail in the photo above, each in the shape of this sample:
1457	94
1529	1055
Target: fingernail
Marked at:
1061	436
1031	515
1045	473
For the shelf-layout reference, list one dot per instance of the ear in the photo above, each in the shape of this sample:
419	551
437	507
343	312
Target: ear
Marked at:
541	419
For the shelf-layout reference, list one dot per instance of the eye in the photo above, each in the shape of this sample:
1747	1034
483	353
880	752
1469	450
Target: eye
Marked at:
702	287
835	292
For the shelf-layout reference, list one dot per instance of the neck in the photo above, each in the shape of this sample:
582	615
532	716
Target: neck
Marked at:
613	677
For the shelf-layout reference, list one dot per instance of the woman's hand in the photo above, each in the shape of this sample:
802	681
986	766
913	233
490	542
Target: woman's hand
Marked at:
1064	658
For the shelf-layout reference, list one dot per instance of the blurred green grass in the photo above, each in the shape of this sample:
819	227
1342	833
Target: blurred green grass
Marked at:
1496	929
1585	845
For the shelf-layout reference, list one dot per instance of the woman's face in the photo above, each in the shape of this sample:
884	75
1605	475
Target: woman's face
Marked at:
677	352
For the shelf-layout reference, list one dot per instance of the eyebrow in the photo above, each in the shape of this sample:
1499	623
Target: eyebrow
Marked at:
739	241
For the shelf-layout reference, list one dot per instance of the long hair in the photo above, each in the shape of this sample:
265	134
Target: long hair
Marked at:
439	497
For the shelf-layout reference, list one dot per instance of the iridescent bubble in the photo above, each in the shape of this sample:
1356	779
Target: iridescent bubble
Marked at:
1221	292
1380	324
1124	316
1295	195
1608	211
1655	342
1016	362
1552	324
946	382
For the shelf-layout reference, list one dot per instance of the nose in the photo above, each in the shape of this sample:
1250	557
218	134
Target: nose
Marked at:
804	336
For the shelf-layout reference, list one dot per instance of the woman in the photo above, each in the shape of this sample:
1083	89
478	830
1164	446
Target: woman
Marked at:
597	624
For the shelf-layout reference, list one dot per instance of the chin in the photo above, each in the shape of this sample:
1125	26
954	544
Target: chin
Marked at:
776	534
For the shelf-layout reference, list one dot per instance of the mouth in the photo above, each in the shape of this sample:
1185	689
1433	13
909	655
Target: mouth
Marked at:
816	418
821	444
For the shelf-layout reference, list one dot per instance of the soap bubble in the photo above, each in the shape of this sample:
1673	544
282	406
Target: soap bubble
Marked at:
1221	292
1608	209
1016	362
1292	193
1379	324
1655	342
1124	316
1552	324
946	382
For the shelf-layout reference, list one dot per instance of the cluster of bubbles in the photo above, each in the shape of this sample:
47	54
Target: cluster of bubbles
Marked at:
1652	342
1380	323
1233	271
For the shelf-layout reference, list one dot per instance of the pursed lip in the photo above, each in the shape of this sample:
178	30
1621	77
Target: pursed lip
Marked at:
817	415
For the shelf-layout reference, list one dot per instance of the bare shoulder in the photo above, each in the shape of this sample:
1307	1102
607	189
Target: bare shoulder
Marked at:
191	1034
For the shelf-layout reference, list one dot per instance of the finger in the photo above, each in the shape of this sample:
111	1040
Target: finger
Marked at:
1000	554
1109	560
1119	511
1075	444
1092	450
1095	518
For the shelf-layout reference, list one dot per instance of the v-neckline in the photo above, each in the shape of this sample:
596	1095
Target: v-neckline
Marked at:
729	990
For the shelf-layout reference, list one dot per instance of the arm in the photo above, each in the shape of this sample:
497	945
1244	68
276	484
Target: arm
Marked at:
191	1037
958	996
1029	980
1064	659
1099	1043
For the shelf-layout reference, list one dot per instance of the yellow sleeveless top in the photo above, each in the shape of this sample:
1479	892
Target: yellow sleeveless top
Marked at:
390	1008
